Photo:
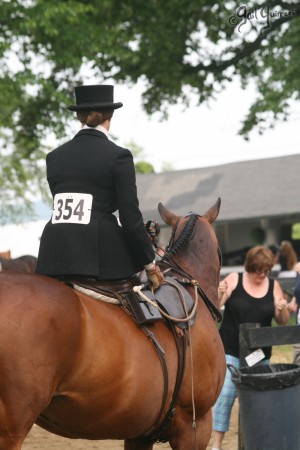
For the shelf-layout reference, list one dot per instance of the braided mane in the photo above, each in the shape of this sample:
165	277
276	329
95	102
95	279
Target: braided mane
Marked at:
183	237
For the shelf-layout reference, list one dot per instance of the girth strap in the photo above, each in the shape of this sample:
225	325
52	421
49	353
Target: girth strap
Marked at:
161	355
158	431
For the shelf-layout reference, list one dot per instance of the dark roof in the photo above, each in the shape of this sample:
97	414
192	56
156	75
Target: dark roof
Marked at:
261	188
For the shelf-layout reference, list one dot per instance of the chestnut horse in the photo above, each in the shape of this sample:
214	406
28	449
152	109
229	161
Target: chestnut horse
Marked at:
25	263
81	368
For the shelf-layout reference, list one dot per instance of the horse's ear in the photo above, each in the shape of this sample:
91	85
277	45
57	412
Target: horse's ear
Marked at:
212	213
167	216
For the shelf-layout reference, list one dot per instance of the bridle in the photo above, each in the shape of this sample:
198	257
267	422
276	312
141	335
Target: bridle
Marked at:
174	247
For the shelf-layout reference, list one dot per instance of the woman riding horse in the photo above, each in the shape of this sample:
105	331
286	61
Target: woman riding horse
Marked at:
90	178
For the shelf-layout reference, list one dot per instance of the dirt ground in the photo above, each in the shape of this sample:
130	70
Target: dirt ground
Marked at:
39	439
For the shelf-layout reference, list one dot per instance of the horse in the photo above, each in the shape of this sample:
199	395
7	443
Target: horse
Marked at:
25	263
83	369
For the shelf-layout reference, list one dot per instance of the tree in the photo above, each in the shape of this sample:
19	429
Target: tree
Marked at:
175	47
141	166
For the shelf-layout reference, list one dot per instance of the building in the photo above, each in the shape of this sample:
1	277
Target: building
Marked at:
260	201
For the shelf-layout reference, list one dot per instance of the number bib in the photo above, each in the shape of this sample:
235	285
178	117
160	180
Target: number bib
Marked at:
72	207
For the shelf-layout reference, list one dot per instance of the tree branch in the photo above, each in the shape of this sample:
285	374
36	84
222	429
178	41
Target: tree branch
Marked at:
246	50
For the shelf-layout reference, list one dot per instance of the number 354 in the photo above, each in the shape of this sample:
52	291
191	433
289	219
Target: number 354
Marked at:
72	207
66	209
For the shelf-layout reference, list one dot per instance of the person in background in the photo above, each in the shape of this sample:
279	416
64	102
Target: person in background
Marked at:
275	249
248	297
90	179
287	256
294	306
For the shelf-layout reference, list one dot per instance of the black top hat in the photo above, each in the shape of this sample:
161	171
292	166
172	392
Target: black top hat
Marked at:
95	98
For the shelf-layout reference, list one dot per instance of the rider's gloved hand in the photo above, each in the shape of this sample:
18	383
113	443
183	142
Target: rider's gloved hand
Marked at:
154	275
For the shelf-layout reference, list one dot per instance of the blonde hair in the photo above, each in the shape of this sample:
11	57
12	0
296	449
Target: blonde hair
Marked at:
93	118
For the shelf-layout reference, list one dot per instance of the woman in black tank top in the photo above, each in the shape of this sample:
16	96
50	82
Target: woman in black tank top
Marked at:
241	307
249	297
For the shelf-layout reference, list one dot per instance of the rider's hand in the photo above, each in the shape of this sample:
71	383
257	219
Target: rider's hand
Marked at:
155	276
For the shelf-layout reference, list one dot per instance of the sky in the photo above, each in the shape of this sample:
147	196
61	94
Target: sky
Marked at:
201	136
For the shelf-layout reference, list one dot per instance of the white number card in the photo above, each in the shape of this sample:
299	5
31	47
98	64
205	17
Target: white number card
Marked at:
255	357
72	207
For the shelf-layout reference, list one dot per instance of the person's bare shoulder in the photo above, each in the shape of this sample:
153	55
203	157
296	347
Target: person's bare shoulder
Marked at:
232	280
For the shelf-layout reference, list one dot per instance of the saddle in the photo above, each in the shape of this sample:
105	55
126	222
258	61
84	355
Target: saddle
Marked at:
171	300
103	286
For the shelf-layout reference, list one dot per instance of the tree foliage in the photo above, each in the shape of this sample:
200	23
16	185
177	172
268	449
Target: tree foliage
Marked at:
175	47
140	164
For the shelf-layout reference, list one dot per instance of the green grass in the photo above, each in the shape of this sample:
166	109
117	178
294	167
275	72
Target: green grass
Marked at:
283	353
292	321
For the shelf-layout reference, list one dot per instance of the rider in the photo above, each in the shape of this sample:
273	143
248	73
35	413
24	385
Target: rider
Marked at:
90	178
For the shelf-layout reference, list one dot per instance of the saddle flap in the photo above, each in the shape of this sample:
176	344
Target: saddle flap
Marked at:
175	304
143	312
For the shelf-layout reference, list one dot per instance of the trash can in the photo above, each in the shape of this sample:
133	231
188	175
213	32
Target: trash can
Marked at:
269	404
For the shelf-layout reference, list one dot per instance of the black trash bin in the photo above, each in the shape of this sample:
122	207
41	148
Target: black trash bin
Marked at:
269	403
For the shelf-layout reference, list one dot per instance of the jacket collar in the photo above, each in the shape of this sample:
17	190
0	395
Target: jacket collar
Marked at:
91	132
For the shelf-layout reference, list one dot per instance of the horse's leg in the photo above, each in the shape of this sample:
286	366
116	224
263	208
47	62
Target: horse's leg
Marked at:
135	444
21	401
10	440
16	420
186	437
6	443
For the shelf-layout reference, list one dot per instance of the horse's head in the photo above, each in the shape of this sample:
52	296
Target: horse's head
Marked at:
171	219
194	247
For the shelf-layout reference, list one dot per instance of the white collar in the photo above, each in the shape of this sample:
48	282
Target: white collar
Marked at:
98	127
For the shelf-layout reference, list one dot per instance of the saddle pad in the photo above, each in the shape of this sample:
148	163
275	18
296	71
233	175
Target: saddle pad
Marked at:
96	295
169	299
